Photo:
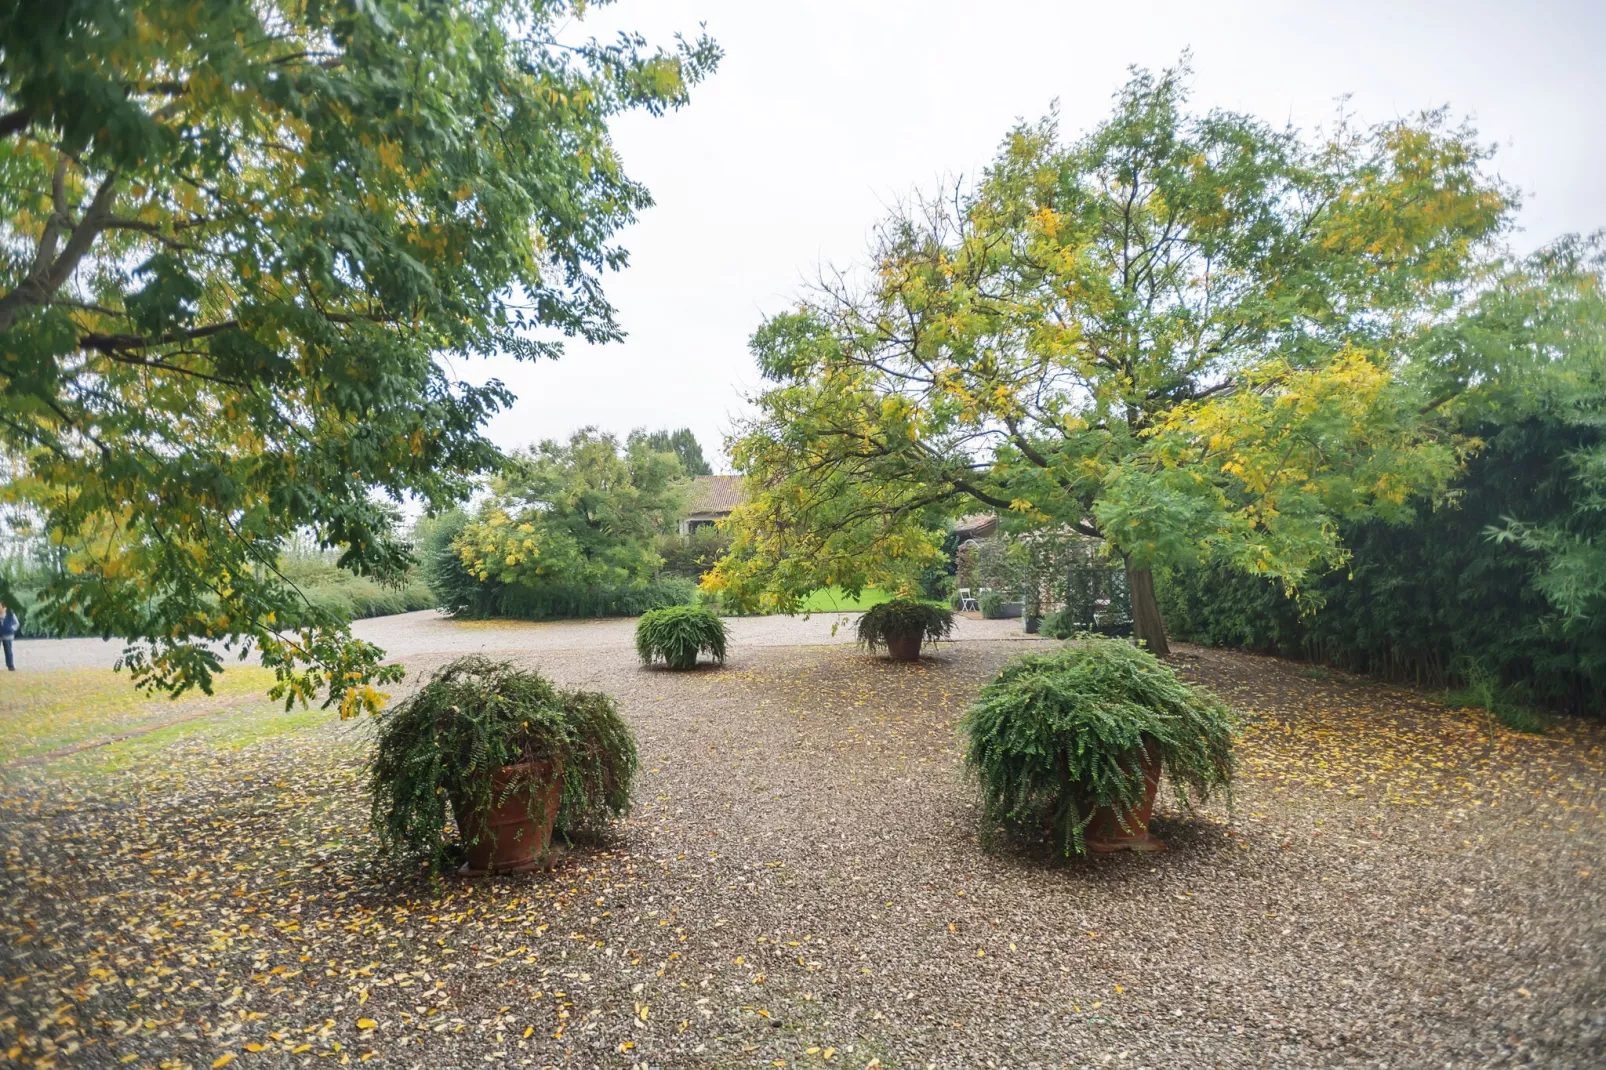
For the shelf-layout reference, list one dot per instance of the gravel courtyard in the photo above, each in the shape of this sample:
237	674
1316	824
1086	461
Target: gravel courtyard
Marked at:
803	884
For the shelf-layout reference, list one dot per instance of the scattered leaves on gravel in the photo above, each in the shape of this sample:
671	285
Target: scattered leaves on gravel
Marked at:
803	884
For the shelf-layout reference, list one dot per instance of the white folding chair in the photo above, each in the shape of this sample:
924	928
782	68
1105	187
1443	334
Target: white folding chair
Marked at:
966	602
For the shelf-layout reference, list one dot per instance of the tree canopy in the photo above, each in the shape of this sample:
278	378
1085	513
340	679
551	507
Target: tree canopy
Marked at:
1501	579
683	444
581	513
1184	334
240	237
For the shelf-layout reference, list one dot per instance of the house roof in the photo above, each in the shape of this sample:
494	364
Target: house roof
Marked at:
976	526
714	494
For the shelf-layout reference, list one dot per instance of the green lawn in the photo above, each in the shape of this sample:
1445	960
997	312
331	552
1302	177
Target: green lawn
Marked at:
46	711
836	600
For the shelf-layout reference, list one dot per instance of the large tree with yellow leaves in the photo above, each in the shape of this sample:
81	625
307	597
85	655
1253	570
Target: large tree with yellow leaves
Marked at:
238	239
1184	335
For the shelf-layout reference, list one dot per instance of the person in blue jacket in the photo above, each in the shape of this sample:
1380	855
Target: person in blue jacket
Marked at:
8	632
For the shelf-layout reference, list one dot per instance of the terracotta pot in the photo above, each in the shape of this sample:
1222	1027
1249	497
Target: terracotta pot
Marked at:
518	835
903	647
1104	833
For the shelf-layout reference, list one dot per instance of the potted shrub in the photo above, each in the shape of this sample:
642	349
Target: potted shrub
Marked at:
1076	741
510	755
675	635
902	624
991	604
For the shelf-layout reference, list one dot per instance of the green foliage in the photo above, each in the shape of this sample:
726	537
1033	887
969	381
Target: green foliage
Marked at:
903	618
683	444
1566	387
1053	737
991	604
474	716
456	590
560	602
571	530
1058	625
463	594
1067	622
338	594
677	634
580	514
1185	334
1418	600
22	579
237	237
999	562
693	555
1482	690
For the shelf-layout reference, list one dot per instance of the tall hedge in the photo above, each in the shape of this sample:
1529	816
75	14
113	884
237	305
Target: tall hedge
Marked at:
1421	602
1506	577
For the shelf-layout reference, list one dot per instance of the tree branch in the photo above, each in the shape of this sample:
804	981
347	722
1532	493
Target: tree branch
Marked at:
43	282
15	122
112	344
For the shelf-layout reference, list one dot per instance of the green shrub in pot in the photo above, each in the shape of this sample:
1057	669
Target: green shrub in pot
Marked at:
451	743
901	625
991	604
675	635
1056	737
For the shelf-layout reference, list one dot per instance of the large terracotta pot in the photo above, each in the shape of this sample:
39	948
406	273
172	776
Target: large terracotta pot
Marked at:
904	647
518	836
1104	833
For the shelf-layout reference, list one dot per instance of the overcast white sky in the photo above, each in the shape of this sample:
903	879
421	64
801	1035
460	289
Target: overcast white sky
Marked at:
825	112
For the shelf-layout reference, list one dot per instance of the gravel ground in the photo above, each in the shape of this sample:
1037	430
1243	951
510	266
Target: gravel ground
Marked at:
802	884
427	631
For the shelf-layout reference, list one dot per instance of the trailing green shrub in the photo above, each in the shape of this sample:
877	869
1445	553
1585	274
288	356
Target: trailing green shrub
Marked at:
991	604
1052	737
443	744
675	635
903	618
1057	625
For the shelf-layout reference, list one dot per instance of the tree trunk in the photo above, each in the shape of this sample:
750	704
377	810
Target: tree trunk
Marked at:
1147	624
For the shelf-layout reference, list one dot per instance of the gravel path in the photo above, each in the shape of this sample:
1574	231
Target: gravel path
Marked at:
802	885
428	631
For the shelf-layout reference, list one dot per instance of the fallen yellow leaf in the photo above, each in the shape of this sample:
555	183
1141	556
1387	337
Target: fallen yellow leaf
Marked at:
223	1060
366	1023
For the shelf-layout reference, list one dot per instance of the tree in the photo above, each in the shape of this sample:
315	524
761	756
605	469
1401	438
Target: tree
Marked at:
237	237
1502	579
576	514
1555	380
683	444
1185	335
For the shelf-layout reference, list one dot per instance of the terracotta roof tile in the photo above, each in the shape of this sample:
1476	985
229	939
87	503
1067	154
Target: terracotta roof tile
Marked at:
714	494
